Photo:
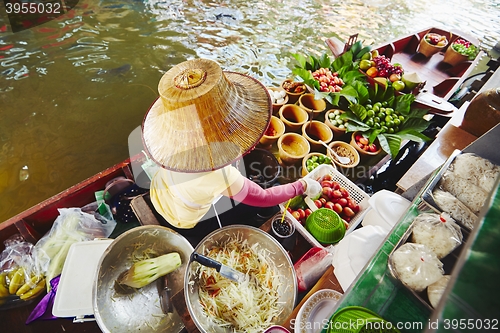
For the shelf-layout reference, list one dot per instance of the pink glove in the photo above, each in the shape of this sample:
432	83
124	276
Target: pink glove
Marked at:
253	195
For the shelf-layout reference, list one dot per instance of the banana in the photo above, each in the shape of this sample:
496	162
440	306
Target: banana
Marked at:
3	286
29	285
17	281
37	290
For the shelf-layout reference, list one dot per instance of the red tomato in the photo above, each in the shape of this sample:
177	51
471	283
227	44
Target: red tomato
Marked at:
337	194
348	212
308	212
318	203
344	192
342	202
338	208
329	205
326	183
289	210
323	201
327	177
296	215
327	191
301	212
335	185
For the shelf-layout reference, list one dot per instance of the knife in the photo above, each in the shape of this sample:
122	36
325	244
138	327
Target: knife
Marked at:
223	270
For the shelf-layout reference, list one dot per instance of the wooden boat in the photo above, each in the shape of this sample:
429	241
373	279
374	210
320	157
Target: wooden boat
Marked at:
441	79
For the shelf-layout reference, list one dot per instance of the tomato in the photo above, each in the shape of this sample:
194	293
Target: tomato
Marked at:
344	192
308	212
329	205
327	177
327	183
289	210
323	201
296	215
302	213
327	191
318	203
342	202
349	212
337	194
338	208
335	186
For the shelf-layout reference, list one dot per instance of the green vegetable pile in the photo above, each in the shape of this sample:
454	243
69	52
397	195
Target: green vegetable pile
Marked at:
314	161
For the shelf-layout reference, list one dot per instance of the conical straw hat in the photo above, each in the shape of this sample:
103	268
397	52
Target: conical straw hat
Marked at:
205	118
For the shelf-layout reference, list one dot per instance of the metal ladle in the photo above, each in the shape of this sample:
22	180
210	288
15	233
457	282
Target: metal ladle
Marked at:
341	159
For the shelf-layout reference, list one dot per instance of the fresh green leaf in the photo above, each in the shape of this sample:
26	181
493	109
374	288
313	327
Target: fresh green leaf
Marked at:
413	135
390	143
324	61
344	60
300	59
356	126
403	102
359	110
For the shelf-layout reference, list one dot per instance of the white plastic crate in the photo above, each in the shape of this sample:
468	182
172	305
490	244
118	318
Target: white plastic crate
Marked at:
357	194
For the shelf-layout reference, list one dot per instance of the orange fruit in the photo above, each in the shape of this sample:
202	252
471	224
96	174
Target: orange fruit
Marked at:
372	72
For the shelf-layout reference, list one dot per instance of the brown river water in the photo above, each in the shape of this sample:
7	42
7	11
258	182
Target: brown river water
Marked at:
73	89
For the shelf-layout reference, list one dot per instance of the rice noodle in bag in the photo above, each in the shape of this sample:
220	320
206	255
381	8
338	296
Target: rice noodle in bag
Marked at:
456	208
437	232
478	170
436	290
416	266
469	194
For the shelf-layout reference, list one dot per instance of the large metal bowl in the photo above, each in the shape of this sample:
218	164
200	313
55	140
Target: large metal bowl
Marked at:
283	264
139	311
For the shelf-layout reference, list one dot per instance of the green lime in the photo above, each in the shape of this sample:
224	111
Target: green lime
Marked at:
402	118
370	113
390	130
321	159
378	104
328	160
368	106
314	158
389	110
397	122
376	108
376	125
388	119
376	119
369	122
390	124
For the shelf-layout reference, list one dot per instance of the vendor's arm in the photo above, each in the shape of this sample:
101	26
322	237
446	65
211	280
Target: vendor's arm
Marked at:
250	193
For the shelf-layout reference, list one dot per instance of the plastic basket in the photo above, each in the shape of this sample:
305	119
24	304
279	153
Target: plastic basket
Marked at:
355	193
326	226
357	319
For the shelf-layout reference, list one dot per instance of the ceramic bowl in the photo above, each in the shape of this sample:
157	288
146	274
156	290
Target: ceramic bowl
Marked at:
313	106
360	150
292	148
299	89
344	149
314	131
293	116
274	131
277	106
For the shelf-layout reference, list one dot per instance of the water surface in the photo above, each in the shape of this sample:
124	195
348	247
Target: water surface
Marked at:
72	90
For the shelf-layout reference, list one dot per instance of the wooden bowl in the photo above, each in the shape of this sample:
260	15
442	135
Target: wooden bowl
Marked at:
360	150
428	49
279	128
293	96
308	156
344	149
277	106
314	131
293	116
337	132
292	148
313	106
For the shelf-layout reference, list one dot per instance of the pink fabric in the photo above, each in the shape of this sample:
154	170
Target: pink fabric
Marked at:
253	195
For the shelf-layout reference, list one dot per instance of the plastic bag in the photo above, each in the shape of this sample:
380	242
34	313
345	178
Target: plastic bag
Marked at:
460	212
438	232
20	277
436	290
71	226
416	266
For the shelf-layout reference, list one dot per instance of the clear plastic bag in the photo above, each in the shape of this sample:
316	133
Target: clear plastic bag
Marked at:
71	226
438	232
436	290
416	266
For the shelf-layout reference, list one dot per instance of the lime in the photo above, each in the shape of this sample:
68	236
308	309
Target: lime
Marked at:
388	119
376	108
327	160
376	125
378	104
390	124
389	110
370	113
397	122
321	159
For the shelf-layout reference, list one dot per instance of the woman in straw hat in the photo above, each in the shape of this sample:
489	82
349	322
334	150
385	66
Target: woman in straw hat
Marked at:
204	120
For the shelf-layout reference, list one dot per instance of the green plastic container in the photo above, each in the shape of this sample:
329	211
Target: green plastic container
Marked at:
357	319
326	226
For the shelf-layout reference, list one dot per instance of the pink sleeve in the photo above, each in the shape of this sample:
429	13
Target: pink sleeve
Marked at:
253	195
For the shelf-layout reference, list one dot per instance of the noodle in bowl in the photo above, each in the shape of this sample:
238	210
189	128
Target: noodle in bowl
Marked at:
267	295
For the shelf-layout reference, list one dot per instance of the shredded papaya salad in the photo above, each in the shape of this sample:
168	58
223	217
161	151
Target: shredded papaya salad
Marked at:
249	306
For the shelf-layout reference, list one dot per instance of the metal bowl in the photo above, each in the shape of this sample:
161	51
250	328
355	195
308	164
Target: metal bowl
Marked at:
283	264
115	311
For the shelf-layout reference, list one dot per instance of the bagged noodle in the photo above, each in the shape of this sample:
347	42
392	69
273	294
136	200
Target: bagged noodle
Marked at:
416	266
476	169
469	194
437	232
456	208
435	291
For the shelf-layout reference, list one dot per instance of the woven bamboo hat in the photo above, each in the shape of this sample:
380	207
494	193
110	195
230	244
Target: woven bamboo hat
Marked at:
205	118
